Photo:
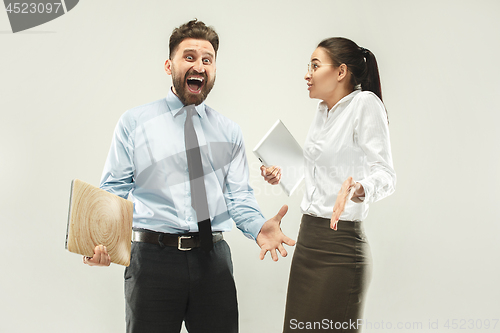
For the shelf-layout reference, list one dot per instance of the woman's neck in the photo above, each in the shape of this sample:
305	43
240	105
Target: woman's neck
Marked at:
337	95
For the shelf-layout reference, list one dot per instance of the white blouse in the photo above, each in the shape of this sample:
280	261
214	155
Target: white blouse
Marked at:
352	139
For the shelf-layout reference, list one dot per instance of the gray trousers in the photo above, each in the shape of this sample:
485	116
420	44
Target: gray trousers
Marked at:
329	277
166	286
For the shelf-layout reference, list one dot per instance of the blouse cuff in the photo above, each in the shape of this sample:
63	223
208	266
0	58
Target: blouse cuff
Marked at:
368	191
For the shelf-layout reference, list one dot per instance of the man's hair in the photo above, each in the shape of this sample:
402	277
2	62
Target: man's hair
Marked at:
193	29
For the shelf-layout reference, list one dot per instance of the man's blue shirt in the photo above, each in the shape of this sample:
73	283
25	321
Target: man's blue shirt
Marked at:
147	161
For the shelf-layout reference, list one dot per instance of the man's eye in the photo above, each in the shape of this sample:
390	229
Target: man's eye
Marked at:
189	58
207	61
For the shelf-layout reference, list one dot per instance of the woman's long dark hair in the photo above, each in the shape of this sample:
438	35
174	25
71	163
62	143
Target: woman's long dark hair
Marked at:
360	62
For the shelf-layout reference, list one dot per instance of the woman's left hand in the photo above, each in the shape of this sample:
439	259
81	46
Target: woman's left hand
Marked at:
349	187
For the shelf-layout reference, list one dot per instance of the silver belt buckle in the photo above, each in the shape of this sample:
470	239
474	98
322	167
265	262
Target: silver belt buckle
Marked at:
179	243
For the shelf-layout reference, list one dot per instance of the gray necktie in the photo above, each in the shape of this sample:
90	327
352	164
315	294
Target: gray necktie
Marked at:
196	180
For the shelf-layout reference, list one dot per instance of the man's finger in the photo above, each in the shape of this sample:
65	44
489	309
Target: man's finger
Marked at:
262	254
274	255
288	241
282	212
282	250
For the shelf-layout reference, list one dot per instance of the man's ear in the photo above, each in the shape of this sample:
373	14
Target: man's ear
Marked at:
168	66
342	72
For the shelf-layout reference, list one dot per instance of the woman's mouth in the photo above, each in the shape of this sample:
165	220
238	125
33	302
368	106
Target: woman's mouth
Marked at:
195	84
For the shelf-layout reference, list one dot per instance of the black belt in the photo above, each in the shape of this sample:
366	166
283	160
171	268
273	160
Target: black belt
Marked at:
184	242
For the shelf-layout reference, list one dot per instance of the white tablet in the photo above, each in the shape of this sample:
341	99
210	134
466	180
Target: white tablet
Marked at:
279	147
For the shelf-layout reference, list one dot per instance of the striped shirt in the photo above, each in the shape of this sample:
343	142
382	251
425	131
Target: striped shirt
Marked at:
351	139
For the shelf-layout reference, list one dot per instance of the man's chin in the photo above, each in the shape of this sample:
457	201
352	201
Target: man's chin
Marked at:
195	99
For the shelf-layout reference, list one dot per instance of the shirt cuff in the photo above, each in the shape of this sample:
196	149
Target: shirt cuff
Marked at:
252	229
368	188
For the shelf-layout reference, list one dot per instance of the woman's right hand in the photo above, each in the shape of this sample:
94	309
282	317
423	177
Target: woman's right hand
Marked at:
271	174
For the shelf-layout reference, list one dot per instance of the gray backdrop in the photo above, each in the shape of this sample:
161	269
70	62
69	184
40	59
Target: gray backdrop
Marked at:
435	242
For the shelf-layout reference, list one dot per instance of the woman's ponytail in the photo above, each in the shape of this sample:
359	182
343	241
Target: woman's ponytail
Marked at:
360	62
371	79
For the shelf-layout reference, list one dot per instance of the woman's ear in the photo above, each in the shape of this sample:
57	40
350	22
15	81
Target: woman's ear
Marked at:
342	72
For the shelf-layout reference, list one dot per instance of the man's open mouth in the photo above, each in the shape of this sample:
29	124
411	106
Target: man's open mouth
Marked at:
195	84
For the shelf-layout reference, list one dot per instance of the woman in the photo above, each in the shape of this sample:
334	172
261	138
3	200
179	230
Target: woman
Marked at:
348	165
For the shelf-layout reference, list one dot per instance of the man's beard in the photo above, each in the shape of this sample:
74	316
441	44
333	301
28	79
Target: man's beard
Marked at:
187	97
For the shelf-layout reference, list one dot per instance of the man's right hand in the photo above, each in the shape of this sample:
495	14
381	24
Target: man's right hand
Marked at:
100	258
271	174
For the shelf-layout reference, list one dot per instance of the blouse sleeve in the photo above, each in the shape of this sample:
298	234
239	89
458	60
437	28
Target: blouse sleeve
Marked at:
372	132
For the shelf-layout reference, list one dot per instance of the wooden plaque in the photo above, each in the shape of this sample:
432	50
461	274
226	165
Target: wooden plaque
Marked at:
99	217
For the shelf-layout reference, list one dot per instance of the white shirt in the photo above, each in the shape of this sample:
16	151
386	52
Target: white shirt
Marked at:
352	139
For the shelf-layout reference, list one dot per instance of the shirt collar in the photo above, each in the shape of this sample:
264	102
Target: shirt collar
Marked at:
347	98
175	105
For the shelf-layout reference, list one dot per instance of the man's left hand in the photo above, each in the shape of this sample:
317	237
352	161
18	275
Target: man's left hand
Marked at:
271	238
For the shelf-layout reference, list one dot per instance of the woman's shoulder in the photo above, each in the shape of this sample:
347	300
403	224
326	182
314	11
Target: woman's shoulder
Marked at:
369	106
367	97
367	100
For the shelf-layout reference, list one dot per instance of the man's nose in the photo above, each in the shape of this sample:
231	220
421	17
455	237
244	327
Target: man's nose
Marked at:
198	66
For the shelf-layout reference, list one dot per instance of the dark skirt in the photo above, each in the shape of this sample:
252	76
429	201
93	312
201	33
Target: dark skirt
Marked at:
329	277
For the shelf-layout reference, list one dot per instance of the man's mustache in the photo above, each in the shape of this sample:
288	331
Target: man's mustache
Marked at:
192	72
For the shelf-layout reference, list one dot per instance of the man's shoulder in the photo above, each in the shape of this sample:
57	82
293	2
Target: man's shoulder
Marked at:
223	120
153	108
138	115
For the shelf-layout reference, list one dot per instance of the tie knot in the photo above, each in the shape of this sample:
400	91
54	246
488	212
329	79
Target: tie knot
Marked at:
190	110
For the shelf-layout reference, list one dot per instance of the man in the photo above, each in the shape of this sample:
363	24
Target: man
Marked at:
184	166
